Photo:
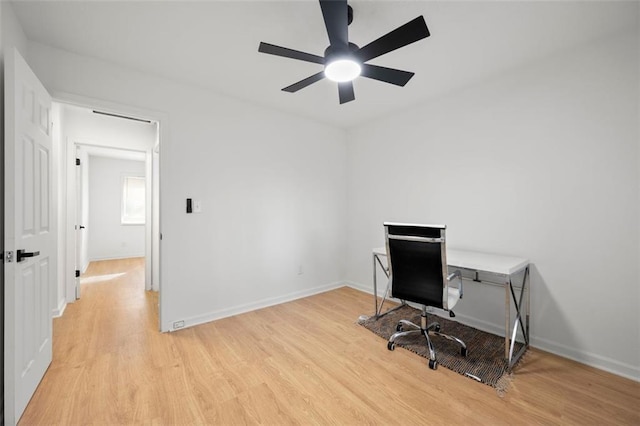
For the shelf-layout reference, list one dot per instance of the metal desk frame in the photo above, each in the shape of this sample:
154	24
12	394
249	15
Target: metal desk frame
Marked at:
481	268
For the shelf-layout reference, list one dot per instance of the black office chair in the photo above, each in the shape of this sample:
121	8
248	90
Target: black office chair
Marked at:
417	257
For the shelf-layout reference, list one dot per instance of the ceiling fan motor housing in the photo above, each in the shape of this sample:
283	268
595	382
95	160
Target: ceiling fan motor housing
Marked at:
333	53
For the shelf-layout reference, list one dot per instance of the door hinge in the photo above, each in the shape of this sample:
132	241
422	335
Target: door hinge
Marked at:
77	273
77	161
7	257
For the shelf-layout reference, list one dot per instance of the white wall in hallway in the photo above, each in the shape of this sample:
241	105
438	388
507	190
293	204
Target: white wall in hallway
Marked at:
81	125
108	238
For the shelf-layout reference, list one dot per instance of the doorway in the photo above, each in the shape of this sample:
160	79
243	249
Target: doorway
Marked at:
111	204
95	142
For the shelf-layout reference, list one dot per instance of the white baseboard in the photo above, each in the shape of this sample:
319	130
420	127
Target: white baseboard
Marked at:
59	310
117	257
489	327
593	360
363	288
240	309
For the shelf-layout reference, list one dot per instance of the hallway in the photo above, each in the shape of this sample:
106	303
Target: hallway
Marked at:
98	345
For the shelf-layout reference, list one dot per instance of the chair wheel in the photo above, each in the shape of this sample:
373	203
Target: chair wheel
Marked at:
399	327
433	364
391	346
437	328
463	351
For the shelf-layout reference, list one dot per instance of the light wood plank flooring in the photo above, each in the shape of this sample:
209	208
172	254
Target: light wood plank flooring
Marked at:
303	362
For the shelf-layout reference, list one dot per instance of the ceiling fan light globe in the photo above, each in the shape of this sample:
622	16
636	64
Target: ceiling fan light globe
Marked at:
342	70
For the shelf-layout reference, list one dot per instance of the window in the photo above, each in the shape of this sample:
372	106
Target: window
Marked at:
133	200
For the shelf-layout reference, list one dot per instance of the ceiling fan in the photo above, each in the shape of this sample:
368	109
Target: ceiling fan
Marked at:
344	61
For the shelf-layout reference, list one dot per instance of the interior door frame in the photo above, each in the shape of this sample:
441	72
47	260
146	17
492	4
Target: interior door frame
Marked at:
163	138
77	214
76	203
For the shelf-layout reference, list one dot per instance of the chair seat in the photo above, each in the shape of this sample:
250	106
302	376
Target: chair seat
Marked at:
454	296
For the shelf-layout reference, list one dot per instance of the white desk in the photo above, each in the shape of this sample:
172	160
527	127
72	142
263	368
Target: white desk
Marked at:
483	268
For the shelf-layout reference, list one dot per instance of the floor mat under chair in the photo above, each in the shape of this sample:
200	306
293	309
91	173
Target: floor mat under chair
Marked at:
485	351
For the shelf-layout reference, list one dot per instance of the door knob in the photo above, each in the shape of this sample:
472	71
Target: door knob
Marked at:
81	226
23	254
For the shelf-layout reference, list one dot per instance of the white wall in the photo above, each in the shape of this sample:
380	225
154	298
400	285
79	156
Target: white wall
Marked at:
271	184
107	237
541	163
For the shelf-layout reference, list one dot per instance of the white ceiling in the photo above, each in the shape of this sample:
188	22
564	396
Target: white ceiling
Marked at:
214	44
118	154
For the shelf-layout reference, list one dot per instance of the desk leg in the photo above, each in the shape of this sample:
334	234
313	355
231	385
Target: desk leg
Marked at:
528	278
375	285
379	307
511	359
507	319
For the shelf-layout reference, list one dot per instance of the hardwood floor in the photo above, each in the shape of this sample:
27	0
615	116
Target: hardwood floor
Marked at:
303	362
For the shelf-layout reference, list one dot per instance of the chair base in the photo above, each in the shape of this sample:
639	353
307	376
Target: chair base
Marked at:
432	329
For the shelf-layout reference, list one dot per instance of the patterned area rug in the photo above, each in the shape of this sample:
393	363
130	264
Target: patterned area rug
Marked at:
485	351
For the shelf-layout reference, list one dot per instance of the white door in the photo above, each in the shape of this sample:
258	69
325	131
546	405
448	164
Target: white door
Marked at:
79	227
28	280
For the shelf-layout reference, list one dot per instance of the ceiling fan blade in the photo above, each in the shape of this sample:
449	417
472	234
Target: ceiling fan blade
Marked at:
272	49
388	75
304	83
406	34
335	15
345	91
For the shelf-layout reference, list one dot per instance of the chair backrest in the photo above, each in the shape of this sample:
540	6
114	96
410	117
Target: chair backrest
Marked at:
417	263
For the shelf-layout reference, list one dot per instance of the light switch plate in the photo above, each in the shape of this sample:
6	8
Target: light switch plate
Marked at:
197	206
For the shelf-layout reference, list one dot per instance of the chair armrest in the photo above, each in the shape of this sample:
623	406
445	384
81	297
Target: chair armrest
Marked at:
457	274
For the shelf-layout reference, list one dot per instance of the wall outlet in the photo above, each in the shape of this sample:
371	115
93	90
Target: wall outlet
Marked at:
178	324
